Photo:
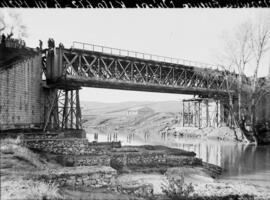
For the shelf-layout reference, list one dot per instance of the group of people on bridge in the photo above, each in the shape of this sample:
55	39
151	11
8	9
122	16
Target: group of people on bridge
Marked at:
8	41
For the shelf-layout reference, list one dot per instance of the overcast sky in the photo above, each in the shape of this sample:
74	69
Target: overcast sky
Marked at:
193	34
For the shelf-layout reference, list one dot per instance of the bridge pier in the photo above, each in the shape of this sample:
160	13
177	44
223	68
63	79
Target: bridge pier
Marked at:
191	113
62	109
203	112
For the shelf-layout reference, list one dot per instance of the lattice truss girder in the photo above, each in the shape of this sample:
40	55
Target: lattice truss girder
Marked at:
62	109
108	67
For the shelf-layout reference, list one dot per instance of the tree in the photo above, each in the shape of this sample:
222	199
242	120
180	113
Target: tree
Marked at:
259	44
237	54
245	47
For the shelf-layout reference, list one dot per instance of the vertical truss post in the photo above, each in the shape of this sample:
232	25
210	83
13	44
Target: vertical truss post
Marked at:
183	113
200	118
78	113
65	111
207	113
189	113
217	113
221	111
194	114
71	109
231	107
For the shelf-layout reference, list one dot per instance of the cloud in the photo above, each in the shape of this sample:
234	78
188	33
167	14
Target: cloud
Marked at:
11	21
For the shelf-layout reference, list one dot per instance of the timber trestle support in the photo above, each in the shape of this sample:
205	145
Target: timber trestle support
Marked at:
62	109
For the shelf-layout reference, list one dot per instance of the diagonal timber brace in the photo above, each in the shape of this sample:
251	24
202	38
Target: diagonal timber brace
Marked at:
62	109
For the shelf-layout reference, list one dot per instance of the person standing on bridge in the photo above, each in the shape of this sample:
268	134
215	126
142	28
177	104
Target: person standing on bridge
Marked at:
3	40
51	43
40	44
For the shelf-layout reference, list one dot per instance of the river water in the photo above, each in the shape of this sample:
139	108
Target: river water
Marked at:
240	162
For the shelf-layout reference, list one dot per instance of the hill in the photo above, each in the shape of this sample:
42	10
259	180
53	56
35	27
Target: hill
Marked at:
97	108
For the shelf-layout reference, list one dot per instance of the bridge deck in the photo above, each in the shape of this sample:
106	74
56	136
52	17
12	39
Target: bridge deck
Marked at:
71	68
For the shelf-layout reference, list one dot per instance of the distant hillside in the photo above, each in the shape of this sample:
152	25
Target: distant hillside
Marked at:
97	108
104	118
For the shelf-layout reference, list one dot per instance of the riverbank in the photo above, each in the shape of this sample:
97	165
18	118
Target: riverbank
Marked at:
215	133
130	181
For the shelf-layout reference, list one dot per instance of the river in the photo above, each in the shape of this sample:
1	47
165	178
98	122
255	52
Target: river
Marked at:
240	162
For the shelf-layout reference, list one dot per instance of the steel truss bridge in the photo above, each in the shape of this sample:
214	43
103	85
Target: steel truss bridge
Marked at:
87	65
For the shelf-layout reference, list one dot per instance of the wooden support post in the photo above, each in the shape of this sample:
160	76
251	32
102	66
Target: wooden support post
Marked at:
78	111
189	113
65	112
217	113
231	107
207	113
200	123
71	109
221	112
183	113
195	117
55	112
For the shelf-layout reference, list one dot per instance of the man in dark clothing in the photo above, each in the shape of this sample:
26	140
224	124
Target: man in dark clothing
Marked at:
51	43
40	44
3	40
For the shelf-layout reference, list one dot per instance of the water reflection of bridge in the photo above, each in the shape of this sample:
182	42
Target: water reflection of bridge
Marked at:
207	152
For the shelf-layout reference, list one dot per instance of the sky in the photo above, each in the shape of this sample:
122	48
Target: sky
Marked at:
193	34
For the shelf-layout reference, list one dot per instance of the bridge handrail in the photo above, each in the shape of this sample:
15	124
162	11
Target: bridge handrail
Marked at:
123	52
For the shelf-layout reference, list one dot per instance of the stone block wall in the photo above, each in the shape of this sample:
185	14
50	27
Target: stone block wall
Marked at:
90	177
151	160
73	146
89	160
21	94
61	146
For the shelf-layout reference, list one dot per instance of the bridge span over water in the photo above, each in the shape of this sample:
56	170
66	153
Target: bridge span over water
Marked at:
87	65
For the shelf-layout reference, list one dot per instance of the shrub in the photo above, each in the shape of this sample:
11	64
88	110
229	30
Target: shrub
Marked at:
177	189
42	190
29	190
